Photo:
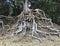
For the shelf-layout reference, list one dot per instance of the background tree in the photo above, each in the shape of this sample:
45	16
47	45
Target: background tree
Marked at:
14	7
51	8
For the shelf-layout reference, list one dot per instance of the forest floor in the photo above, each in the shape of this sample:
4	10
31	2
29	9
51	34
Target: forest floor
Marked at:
9	40
28	41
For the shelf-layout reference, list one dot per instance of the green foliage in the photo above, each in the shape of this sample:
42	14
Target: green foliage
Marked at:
4	8
51	8
18	2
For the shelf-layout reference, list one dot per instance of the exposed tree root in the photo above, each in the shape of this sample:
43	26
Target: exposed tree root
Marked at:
29	20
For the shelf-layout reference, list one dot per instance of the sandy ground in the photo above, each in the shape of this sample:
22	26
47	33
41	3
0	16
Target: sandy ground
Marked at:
28	41
9	40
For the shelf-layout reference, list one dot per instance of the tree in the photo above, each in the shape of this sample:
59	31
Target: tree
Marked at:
51	7
14	7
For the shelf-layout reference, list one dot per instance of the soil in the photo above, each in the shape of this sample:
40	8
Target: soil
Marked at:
9	40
